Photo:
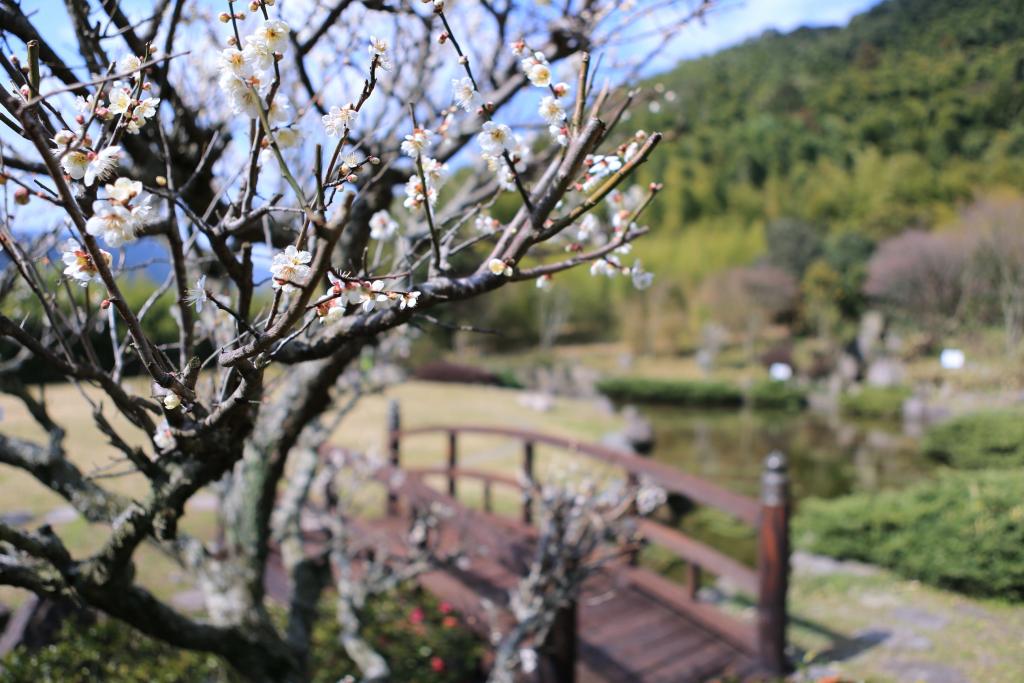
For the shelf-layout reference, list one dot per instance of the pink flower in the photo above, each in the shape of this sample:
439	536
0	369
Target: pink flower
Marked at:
416	616
437	664
445	608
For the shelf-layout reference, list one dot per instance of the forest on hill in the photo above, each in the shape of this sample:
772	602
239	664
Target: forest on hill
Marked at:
805	151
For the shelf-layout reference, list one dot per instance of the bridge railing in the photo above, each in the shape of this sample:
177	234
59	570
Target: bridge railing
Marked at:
769	516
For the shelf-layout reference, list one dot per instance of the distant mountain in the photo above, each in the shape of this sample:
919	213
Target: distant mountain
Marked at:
886	123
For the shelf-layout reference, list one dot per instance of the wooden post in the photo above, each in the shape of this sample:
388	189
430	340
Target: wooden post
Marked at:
773	564
528	475
634	483
488	504
557	663
453	461
692	580
394	450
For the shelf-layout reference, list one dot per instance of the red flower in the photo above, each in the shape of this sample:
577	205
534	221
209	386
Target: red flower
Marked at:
444	607
416	616
437	664
449	622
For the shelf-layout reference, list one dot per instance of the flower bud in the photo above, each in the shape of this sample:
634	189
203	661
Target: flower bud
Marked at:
21	196
161	181
254	6
105	304
3	179
224	17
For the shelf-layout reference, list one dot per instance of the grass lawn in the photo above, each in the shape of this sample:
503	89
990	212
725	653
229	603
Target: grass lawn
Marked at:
421	403
875	627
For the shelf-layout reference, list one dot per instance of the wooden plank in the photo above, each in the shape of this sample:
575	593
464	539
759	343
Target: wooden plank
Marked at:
700	554
698	665
740	634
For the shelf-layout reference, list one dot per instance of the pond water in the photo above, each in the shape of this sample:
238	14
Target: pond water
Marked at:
828	456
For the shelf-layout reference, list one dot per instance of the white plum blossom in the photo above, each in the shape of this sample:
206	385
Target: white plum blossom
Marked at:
495	138
649	498
528	660
544	282
79	265
465	94
258	53
370	296
112	222
120	99
486	223
274	34
588	229
123	190
233	62
379	50
417	143
338	119
146	107
434	171
499	267
163	438
408	300
552	110
382	226
537	70
641	278
102	164
129	63
290	268
86	105
416	194
332	309
197	296
604	267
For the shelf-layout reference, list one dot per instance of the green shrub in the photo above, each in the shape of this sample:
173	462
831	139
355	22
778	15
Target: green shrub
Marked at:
682	393
773	395
994	439
876	402
963	531
110	651
421	639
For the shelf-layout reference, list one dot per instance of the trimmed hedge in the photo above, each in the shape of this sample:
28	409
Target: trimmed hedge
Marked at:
875	402
963	531
671	392
980	440
773	395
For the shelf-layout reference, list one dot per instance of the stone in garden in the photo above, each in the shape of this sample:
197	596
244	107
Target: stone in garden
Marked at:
885	372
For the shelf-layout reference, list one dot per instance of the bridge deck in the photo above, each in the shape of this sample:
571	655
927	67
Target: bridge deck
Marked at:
628	633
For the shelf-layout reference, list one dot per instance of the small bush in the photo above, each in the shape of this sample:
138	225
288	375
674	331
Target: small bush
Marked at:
774	395
994	439
421	639
110	651
885	403
963	531
681	393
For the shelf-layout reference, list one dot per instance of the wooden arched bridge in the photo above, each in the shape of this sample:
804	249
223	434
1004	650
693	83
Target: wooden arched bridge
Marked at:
629	624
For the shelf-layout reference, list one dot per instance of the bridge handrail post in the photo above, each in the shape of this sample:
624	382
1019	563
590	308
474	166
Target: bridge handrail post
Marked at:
773	564
558	655
528	475
394	450
453	460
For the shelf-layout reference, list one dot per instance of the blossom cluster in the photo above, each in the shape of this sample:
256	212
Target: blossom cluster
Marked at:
364	294
118	218
247	73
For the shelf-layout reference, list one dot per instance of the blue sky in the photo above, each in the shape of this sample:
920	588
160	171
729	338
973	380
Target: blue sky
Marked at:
735	22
